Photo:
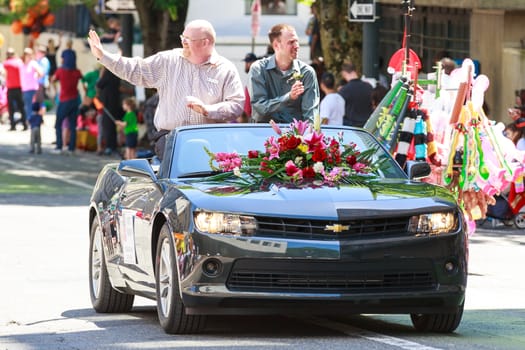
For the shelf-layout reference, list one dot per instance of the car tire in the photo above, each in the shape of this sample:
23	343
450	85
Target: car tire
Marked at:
104	298
519	219
170	308
440	323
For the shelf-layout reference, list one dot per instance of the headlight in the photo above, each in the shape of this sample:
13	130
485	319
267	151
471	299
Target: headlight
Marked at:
433	224
224	223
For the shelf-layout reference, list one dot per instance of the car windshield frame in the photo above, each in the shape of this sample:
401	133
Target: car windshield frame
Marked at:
189	158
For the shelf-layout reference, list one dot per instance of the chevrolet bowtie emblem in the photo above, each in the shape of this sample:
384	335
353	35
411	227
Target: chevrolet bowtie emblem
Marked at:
336	228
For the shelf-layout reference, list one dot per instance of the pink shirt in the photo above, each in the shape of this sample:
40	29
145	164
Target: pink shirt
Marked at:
29	74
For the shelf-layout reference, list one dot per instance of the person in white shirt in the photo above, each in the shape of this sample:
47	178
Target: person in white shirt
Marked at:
332	106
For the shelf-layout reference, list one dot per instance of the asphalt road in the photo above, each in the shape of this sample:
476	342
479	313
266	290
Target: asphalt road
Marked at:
44	298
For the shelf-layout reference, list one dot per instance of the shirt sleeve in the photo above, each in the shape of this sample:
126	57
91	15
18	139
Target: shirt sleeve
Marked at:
148	72
232	103
310	98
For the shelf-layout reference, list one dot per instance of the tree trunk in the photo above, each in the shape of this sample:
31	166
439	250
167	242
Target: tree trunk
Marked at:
159	31
341	40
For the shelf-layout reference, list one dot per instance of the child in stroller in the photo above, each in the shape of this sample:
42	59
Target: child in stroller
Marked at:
509	208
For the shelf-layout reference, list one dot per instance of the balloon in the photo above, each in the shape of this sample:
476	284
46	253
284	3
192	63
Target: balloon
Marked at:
2	39
16	27
48	20
40	9
28	20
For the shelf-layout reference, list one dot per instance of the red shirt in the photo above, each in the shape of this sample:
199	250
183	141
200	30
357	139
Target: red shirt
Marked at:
13	66
68	79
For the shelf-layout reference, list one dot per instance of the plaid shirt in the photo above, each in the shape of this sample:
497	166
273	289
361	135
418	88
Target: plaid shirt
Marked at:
216	83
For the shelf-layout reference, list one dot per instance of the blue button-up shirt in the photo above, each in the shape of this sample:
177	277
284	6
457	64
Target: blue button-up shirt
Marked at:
269	90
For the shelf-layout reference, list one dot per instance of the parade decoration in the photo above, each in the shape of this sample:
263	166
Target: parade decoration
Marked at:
298	156
447	127
34	21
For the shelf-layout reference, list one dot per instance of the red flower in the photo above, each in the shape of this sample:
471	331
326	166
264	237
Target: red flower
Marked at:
288	142
319	155
293	142
253	154
351	160
308	173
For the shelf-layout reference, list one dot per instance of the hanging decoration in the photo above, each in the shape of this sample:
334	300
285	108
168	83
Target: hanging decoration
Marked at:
34	21
447	127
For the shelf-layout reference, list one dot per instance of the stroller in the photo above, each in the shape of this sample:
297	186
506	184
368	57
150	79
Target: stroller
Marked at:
509	208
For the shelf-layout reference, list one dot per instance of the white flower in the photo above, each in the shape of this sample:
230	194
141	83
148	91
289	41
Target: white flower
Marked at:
298	160
237	171
318	167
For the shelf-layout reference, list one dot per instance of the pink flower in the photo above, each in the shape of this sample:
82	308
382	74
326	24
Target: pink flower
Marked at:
314	141
334	175
291	168
359	167
228	161
299	126
272	147
275	127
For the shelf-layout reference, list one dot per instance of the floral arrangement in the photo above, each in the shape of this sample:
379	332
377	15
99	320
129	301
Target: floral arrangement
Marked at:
301	155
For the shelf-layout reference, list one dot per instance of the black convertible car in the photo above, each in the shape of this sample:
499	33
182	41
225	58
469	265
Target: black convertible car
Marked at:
248	219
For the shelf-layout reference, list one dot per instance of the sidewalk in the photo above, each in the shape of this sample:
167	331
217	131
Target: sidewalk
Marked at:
46	178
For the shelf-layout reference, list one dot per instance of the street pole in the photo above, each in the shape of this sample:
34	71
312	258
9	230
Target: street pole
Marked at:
126	34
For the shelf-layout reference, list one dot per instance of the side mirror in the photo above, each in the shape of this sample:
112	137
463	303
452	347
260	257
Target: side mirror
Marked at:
417	170
137	167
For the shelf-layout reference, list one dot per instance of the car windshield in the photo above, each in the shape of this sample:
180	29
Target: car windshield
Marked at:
190	157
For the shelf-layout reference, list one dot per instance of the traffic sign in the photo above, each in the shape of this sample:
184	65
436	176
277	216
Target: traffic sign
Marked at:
118	6
361	10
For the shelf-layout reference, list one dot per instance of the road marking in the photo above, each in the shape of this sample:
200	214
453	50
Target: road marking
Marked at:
48	174
369	335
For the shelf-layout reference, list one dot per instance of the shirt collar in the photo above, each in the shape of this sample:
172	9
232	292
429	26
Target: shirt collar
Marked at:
272	64
213	60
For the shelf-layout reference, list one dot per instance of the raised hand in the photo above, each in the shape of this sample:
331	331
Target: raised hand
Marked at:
95	45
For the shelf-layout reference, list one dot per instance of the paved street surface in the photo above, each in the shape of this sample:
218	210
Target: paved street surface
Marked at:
44	298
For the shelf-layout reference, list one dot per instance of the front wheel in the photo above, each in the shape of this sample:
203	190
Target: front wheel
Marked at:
519	219
170	308
104	298
441	323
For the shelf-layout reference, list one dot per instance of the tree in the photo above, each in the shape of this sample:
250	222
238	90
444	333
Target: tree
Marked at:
161	22
341	40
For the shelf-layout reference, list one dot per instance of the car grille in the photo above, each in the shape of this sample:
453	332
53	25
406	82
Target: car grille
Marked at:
331	277
326	230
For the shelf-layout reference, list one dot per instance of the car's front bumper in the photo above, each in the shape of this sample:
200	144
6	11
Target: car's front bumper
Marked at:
258	275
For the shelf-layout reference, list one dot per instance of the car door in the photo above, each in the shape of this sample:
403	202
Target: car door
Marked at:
134	232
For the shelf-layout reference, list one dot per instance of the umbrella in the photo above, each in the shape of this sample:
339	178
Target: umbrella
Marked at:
398	60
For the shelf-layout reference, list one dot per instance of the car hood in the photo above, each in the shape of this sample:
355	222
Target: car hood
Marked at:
369	199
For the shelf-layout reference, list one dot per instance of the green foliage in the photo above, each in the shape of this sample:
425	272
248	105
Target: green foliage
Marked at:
306	2
171	6
7	16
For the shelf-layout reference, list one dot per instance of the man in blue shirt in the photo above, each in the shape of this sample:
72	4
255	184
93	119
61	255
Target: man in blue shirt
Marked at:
281	86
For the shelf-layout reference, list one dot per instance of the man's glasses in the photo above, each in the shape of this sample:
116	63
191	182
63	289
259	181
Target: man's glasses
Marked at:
185	38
